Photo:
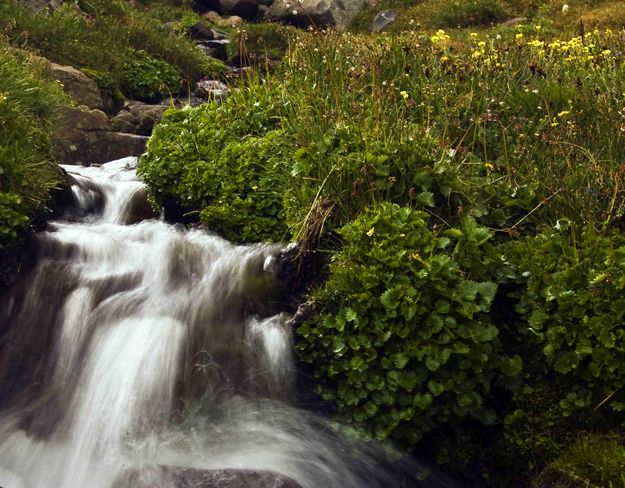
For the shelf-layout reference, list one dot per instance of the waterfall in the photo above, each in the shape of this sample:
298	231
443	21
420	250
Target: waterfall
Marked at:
135	350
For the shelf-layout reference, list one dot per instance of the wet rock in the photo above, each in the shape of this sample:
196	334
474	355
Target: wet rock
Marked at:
78	86
323	13
93	141
215	49
138	208
201	32
383	19
175	477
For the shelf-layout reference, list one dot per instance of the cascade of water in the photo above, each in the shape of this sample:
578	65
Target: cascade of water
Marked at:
130	348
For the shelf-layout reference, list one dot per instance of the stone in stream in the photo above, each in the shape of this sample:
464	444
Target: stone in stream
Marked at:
176	477
86	136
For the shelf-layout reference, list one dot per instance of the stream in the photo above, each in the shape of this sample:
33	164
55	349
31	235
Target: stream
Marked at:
138	353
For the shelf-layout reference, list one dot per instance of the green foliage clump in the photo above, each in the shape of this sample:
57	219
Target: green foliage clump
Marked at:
470	13
97	34
574	306
28	103
402	340
146	78
218	159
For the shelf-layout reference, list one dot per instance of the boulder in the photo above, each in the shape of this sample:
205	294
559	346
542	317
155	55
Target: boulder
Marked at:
124	121
83	118
146	116
86	136
228	21
80	147
176	477
78	86
321	13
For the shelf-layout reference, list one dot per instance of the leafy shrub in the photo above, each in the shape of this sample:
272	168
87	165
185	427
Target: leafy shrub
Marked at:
402	341
574	307
471	12
11	219
144	77
219	160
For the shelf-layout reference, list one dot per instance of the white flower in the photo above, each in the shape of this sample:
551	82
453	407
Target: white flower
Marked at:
294	12
565	8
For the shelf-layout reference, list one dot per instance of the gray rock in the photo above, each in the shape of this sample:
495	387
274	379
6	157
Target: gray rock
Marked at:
97	148
78	86
515	21
146	115
215	49
211	90
83	118
124	121
382	19
175	477
38	5
321	13
228	21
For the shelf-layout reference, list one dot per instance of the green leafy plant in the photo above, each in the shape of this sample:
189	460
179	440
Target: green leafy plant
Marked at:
220	158
470	13
144	77
401	341
574	308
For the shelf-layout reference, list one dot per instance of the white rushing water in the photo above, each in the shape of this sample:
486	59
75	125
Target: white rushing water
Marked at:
147	348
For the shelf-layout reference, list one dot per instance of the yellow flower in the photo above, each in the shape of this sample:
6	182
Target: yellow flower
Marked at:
444	59
473	35
519	36
404	94
476	54
371	231
489	166
415	256
481	44
3	97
